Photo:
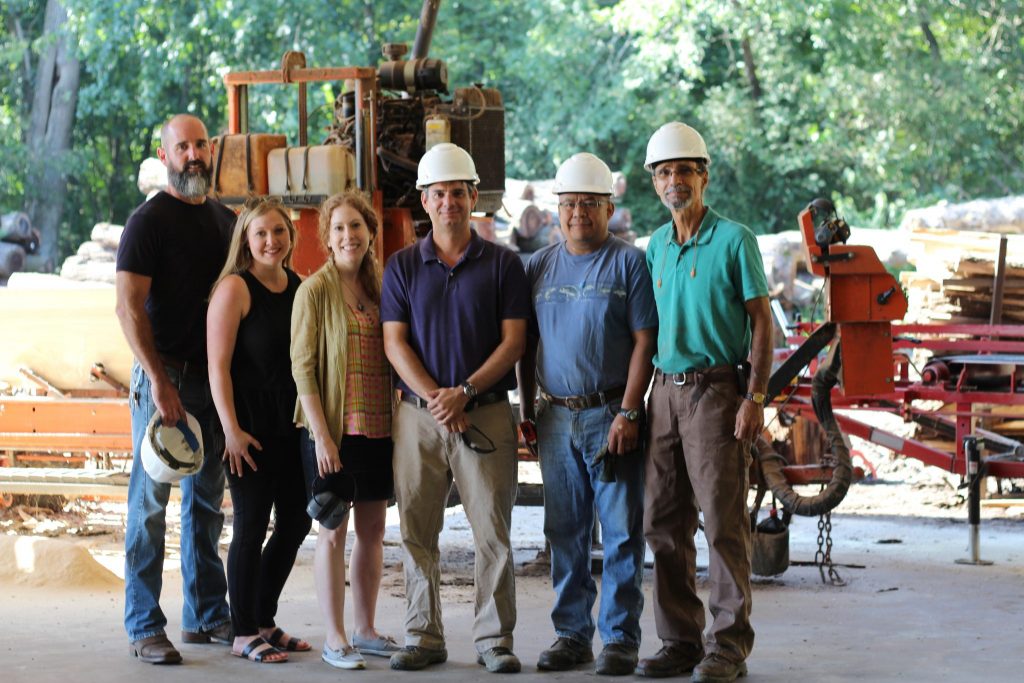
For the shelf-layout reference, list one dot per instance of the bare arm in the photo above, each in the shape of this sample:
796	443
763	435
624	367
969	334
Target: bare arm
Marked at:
449	403
750	417
132	290
405	361
228	305
623	436
526	373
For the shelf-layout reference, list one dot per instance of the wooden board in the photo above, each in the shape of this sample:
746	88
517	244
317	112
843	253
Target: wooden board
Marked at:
60	333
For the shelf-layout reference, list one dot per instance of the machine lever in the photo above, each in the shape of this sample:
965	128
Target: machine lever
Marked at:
884	297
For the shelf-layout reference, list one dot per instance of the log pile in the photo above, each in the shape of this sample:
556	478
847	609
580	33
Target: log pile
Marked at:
17	239
95	259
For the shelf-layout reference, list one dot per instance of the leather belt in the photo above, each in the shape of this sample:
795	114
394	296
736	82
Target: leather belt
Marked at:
718	373
598	398
481	399
182	365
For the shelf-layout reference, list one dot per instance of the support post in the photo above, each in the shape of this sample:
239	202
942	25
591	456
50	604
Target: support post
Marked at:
974	478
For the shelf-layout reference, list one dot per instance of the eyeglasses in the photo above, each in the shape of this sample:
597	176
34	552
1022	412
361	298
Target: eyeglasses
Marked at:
477	441
684	172
585	204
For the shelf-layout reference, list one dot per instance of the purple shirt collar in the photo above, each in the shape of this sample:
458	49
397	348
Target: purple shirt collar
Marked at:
428	252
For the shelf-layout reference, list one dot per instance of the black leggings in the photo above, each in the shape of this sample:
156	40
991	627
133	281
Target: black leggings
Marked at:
255	580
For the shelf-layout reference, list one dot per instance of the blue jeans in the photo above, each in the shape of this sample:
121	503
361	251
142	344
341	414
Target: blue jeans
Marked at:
204	584
568	440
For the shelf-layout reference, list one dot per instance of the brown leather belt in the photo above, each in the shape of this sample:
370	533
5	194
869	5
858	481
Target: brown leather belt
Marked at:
481	399
718	373
598	398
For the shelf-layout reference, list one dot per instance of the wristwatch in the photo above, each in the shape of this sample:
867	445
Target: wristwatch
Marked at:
756	396
469	390
633	414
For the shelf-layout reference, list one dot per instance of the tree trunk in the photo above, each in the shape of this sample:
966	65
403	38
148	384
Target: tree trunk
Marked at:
49	137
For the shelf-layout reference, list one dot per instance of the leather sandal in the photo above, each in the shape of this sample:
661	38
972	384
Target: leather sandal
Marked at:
254	654
155	650
291	645
221	635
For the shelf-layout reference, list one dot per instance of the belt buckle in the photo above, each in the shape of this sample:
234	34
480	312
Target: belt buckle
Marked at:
575	403
676	381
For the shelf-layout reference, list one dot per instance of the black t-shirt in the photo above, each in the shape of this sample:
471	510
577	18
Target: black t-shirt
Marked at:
182	247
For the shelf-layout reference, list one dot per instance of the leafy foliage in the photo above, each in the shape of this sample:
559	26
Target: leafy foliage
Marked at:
882	106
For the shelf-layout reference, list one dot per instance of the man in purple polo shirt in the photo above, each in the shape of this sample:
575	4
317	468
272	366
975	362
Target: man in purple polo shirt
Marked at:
454	309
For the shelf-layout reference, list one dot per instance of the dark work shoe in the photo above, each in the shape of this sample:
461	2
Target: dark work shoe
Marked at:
413	658
616	659
499	660
717	669
670	660
564	654
220	635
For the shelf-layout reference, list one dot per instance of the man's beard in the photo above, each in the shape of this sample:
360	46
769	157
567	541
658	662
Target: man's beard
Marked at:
192	181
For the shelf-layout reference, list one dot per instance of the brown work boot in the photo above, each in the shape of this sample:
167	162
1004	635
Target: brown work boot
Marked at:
616	659
564	654
670	660
717	669
155	650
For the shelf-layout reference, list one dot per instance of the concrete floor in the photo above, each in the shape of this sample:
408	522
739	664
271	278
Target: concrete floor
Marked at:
910	614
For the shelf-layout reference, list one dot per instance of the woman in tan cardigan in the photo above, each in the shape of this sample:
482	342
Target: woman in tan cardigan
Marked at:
344	406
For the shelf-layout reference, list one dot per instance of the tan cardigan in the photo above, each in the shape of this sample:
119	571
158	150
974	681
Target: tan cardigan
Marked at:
318	346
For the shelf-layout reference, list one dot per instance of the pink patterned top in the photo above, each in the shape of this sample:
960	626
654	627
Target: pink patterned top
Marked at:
368	394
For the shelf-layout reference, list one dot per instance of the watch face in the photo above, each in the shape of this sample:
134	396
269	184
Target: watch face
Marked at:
630	415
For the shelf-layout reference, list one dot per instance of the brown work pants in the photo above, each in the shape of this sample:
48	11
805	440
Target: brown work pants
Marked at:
694	462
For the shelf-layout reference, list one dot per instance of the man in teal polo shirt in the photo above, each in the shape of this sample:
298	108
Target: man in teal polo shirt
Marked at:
706	406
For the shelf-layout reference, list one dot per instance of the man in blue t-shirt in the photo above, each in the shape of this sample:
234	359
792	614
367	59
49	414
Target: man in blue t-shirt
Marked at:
173	247
591	349
705	409
454	308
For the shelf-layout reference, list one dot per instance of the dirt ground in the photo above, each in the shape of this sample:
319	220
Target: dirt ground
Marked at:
907	612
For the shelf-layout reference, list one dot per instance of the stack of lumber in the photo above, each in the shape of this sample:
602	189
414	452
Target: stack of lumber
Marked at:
95	259
17	238
956	275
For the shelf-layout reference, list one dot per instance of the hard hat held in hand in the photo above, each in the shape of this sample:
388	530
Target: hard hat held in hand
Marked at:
583	172
172	452
675	140
445	162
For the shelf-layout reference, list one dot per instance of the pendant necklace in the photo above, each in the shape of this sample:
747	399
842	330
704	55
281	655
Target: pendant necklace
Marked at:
359	303
693	265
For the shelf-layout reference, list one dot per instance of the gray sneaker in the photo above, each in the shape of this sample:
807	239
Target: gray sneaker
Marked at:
413	658
345	658
382	646
499	660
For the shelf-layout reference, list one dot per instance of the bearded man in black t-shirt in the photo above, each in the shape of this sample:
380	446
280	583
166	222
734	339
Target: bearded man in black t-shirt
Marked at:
172	250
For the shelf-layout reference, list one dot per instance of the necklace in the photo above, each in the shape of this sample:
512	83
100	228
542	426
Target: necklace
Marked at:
359	303
693	265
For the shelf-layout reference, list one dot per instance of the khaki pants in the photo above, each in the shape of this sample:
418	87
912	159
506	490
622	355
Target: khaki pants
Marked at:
427	459
694	460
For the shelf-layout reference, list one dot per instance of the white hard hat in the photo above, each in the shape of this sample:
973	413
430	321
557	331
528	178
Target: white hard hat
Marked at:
171	453
583	172
444	162
675	140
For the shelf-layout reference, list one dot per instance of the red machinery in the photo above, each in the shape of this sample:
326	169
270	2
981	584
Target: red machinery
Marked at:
862	300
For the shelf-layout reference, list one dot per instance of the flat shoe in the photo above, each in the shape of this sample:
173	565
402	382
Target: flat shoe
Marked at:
250	652
155	650
291	645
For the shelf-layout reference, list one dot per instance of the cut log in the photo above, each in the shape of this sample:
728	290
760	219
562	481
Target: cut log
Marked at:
107	234
15	227
96	251
12	259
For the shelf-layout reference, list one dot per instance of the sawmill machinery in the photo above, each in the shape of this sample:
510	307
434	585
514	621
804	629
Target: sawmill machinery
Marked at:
384	120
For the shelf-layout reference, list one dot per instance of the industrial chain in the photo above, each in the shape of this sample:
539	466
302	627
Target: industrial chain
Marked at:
823	556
